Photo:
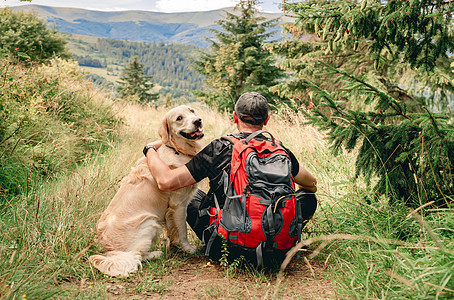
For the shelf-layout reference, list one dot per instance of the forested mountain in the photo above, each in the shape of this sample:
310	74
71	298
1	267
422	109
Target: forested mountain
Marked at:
188	27
105	42
169	64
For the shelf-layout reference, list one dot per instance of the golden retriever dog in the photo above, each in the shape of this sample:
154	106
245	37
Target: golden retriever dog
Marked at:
134	218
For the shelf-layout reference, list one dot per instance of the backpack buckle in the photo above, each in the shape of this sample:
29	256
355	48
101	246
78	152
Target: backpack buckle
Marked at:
212	215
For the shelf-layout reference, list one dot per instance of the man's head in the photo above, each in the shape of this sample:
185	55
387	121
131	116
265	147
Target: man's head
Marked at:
252	108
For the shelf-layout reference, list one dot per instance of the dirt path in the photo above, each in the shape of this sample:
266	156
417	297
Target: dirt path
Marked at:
198	278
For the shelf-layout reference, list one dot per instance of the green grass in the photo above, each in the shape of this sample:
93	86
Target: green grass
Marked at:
387	252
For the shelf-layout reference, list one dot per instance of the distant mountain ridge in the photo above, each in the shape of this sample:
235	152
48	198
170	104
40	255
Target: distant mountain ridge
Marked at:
135	25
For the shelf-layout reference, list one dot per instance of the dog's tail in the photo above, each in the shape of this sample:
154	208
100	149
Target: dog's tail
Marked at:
117	263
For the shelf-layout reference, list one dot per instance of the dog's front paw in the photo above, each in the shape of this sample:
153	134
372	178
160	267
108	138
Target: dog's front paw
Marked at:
188	248
152	255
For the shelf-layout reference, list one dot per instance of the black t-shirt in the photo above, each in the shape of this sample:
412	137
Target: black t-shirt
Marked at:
214	159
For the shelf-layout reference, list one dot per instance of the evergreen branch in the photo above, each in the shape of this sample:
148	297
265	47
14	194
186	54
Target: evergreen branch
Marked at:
323	93
420	36
400	91
391	100
391	155
322	16
434	123
433	172
400	166
364	135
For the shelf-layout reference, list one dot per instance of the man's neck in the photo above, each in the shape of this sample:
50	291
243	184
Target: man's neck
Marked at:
244	127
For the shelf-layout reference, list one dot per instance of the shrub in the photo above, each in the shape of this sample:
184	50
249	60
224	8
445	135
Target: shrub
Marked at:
27	38
50	120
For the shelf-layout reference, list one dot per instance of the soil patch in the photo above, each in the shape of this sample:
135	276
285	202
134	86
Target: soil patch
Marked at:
198	278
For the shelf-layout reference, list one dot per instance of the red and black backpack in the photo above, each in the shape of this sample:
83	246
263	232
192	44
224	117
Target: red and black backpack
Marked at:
260	209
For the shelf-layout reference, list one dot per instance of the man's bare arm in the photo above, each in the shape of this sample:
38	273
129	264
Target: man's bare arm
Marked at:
166	178
306	180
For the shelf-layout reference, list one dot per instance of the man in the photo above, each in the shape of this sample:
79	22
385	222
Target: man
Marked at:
250	115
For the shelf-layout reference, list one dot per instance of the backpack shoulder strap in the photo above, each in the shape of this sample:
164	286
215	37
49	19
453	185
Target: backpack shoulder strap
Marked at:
234	138
257	133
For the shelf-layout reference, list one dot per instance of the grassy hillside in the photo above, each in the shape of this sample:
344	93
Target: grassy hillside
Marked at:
353	249
50	121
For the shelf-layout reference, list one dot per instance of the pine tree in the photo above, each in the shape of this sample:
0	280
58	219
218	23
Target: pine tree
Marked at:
135	84
237	61
348	59
350	37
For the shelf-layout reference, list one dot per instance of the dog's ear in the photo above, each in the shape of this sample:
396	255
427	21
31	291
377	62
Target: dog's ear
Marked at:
164	131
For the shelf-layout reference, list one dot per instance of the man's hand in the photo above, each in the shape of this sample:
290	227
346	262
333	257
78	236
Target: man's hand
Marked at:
156	144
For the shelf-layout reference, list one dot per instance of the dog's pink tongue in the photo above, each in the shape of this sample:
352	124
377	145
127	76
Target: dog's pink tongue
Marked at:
196	133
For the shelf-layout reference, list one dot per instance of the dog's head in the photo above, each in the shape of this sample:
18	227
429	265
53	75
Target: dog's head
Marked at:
181	128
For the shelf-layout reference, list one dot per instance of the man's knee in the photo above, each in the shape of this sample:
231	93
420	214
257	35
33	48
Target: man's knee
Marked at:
308	203
197	199
198	223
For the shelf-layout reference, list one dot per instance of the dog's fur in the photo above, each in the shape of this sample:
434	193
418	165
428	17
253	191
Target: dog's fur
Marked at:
134	218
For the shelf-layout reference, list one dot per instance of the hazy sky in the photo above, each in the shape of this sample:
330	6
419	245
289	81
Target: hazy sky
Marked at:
153	5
